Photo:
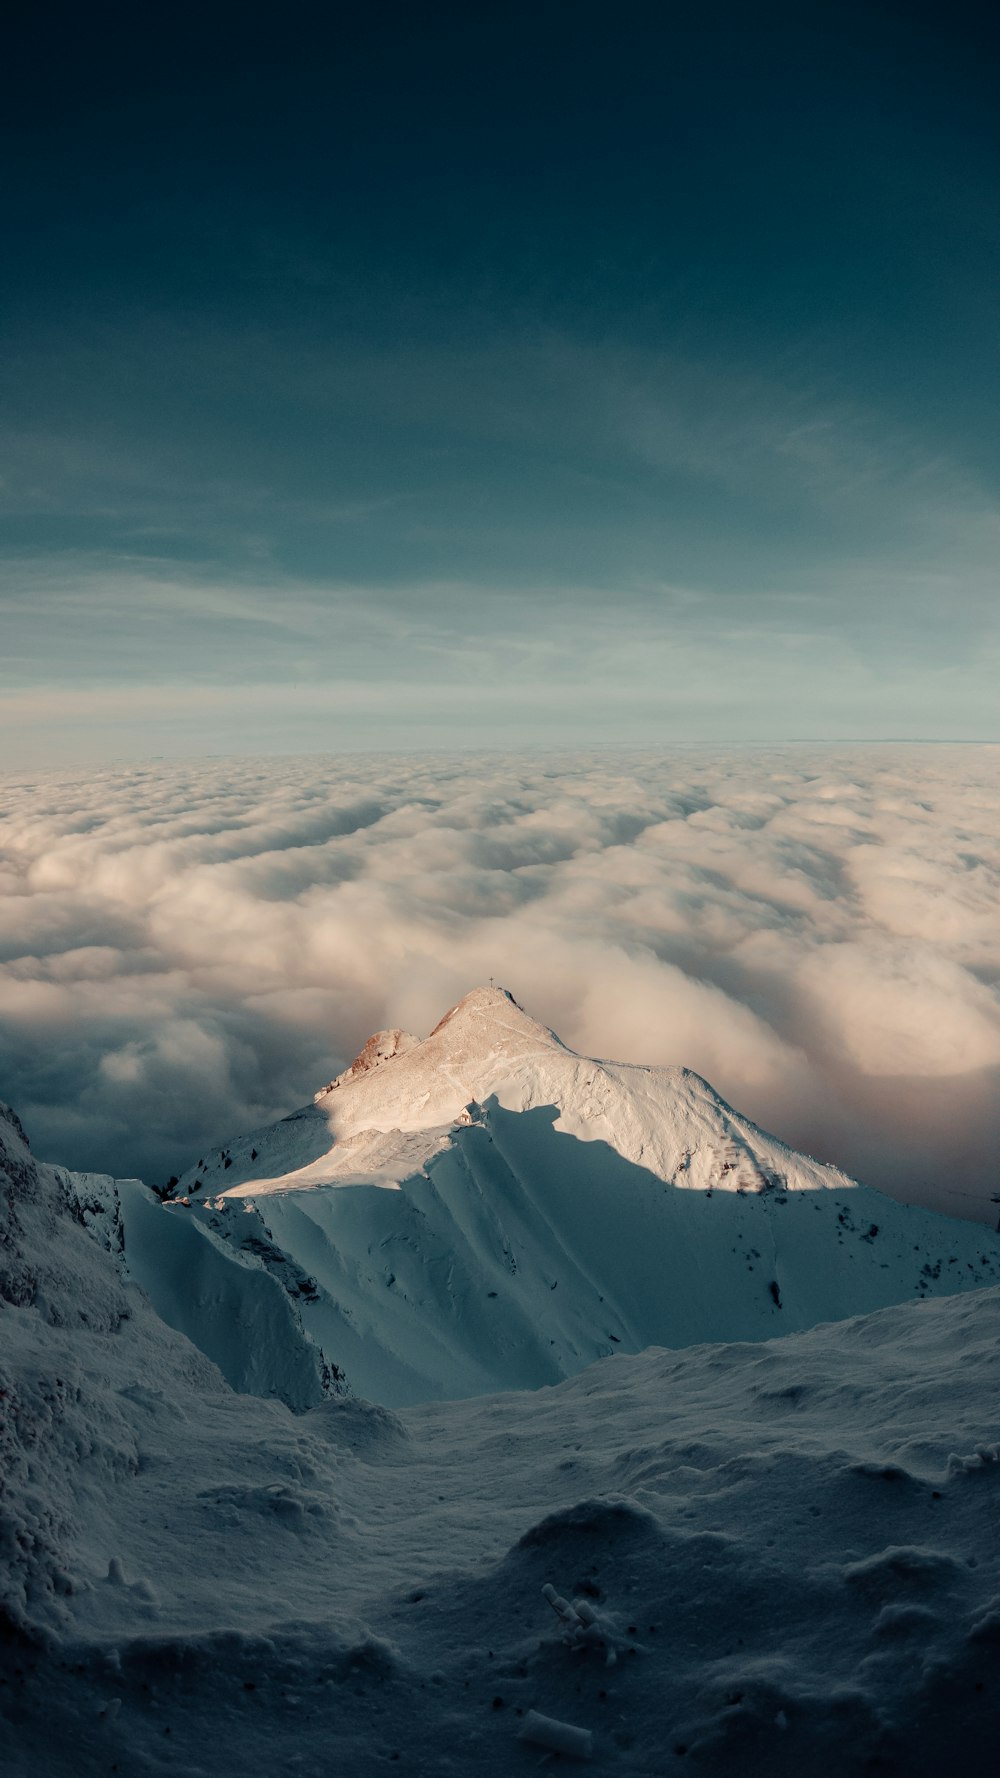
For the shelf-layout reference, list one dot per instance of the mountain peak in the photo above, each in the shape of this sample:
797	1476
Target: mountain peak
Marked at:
492	1005
481	999
401	1082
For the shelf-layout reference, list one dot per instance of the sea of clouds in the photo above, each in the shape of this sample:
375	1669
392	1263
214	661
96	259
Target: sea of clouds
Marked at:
187	951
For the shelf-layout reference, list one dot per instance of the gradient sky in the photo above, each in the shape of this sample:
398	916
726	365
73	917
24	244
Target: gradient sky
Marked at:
449	375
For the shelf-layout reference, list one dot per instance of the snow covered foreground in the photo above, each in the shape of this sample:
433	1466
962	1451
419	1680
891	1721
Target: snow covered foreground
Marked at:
787	1551
487	1210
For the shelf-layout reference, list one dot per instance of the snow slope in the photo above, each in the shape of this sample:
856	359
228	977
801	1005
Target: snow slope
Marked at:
487	1210
787	1549
242	1317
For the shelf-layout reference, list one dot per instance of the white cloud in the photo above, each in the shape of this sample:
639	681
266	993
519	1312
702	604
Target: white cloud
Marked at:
187	950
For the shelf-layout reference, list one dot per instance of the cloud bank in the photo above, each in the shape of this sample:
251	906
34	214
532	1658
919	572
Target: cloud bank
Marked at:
189	950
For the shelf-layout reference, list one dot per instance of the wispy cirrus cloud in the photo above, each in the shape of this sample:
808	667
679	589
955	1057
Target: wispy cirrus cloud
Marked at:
702	548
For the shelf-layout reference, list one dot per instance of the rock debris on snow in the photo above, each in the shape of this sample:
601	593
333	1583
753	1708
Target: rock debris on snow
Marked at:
557	1737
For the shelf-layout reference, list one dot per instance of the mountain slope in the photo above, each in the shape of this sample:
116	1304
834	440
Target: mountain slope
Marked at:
241	1316
783	1548
488	1210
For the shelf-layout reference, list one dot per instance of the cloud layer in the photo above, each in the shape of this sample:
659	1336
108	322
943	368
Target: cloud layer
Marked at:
186	951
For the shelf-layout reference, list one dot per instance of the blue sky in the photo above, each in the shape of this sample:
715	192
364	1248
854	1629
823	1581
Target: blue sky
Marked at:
402	376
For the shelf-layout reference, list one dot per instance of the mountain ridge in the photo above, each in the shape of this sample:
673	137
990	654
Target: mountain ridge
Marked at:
486	1209
488	1045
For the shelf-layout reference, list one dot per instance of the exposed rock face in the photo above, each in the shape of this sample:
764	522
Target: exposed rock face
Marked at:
47	1260
18	1187
381	1047
57	1289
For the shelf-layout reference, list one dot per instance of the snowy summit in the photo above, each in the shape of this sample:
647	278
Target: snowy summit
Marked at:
486	1209
402	1100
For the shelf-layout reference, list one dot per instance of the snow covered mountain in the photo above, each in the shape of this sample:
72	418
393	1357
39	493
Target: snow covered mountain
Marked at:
781	1554
487	1210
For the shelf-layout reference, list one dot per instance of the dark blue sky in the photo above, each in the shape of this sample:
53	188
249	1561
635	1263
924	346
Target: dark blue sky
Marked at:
448	374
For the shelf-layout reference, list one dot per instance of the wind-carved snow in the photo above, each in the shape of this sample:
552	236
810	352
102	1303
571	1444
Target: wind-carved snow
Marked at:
488	1210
